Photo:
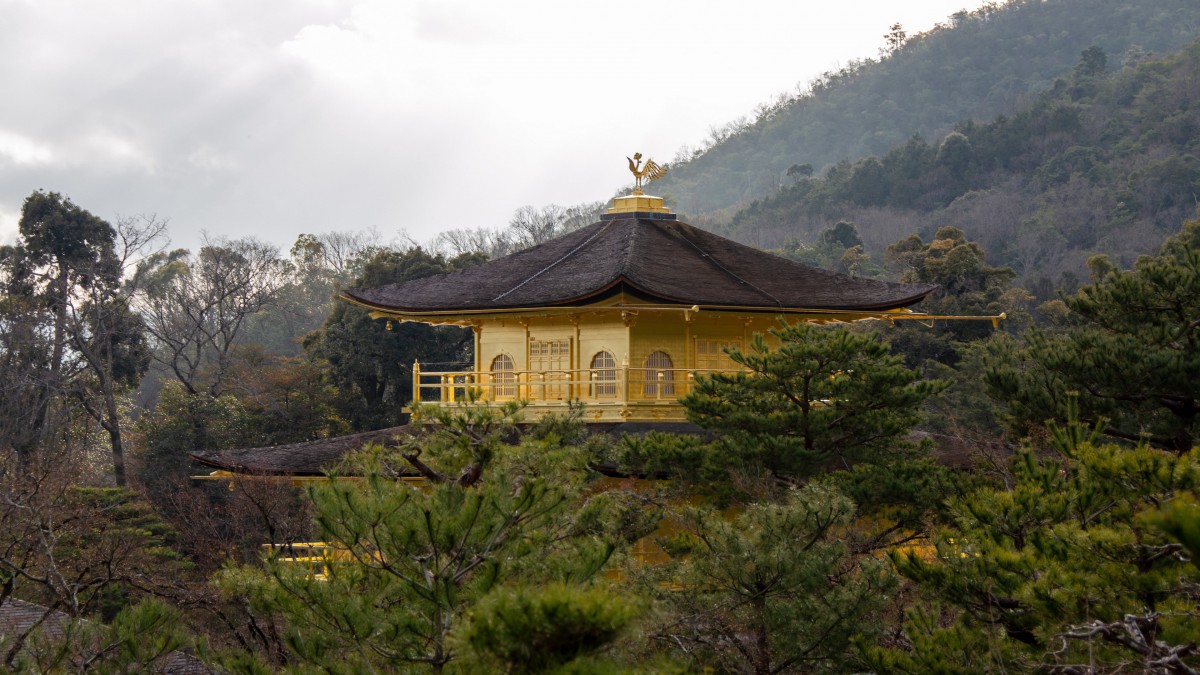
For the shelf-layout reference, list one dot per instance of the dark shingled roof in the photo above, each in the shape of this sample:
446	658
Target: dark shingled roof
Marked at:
667	261
18	616
296	459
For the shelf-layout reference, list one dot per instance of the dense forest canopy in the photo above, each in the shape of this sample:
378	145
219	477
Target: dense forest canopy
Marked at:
1100	163
979	65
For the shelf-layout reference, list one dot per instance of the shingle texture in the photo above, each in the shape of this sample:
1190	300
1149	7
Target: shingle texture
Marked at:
297	459
668	261
17	617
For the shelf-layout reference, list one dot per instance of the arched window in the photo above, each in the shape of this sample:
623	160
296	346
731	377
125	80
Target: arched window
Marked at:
659	378
604	375
504	379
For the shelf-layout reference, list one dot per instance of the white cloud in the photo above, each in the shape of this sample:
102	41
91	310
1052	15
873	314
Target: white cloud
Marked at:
206	158
19	149
104	147
10	218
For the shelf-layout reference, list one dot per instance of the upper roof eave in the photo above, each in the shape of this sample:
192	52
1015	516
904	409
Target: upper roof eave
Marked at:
668	261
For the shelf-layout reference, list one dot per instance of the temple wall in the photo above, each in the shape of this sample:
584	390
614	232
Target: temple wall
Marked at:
602	332
660	332
502	337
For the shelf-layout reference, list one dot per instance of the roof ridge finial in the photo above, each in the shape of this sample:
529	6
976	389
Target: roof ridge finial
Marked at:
638	204
644	174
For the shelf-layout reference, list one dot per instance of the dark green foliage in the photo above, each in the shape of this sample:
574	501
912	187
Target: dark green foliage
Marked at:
407	562
843	234
182	423
825	397
372	366
537	630
141	638
770	590
1049	572
838	248
1133	362
61	307
968	286
74	246
1105	162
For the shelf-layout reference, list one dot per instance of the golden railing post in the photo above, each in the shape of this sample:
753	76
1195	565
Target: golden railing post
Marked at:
416	381
625	380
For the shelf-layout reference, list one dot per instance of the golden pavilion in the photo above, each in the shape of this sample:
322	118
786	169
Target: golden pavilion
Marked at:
620	315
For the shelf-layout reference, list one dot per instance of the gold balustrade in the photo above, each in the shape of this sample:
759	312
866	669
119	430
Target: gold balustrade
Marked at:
589	385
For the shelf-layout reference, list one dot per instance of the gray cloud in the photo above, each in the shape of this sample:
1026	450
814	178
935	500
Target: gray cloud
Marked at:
278	117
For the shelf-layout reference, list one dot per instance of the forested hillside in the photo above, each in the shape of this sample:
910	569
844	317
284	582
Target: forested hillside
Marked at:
979	65
1097	164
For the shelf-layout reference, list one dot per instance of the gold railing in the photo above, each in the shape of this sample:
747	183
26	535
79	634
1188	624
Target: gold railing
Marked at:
622	384
313	557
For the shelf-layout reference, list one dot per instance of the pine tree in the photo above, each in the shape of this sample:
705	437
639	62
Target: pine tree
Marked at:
826	396
1071	569
771	590
408	562
1134	361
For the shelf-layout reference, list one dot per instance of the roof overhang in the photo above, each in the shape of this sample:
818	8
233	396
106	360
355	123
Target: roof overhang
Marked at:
470	317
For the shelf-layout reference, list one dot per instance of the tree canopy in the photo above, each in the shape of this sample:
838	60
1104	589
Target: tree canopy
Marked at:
1132	358
825	396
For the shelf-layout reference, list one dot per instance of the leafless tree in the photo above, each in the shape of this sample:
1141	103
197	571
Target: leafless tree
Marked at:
67	548
490	242
341	254
529	226
196	307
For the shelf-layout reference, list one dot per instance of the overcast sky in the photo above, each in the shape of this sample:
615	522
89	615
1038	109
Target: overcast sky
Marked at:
274	118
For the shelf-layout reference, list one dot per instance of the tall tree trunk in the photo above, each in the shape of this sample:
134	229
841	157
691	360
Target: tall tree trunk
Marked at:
113	425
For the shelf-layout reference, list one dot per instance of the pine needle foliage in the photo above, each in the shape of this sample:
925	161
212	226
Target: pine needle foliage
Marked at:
771	590
1134	361
408	560
1072	569
826	396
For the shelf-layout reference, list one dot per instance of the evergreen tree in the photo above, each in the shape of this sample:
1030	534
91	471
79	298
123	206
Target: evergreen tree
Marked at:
1135	359
371	365
1069	570
543	629
826	397
771	590
968	286
407	563
66	328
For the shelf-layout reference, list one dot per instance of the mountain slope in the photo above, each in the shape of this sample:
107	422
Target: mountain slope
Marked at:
1100	163
983	64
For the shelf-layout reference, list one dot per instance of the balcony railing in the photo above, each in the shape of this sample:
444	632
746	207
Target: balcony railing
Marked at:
620	385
